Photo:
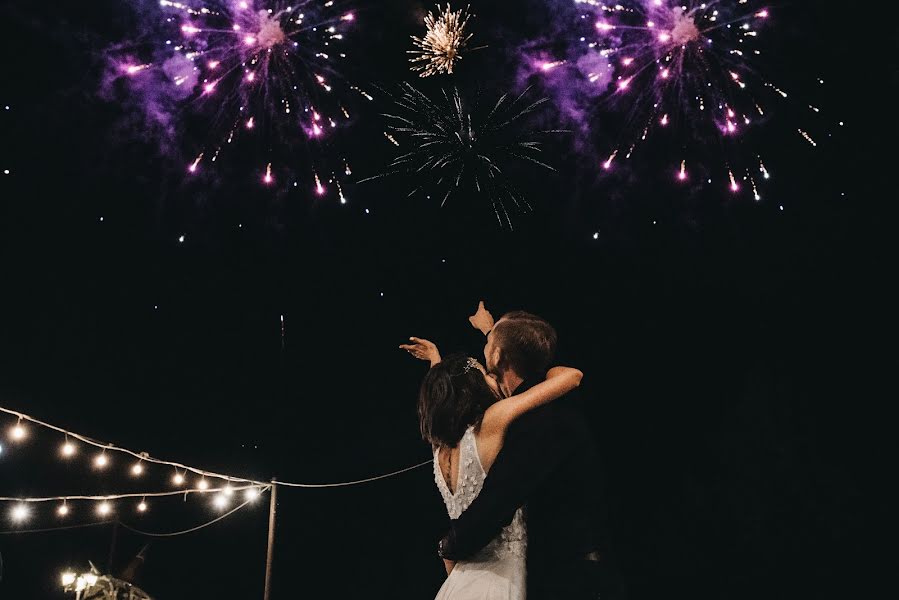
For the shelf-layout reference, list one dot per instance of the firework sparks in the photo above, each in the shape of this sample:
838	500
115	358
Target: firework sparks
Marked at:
678	61
734	186
686	67
763	170
808	138
455	146
547	66
443	44
608	164
135	69
251	68
319	188
755	189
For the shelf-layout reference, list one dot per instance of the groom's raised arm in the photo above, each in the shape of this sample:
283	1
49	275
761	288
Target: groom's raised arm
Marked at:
531	451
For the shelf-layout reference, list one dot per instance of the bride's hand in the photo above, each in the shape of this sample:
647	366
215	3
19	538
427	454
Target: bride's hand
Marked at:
482	320
423	350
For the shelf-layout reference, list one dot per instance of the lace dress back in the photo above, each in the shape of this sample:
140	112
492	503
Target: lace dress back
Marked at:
512	540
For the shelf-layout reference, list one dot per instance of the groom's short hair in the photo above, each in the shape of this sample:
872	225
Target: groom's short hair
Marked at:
527	343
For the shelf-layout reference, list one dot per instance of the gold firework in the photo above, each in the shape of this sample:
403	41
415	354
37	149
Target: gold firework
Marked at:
444	42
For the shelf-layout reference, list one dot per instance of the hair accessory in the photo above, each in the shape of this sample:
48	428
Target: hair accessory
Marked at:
470	364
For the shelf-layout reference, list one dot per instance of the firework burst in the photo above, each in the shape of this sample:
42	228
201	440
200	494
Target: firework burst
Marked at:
455	146
684	69
443	44
261	69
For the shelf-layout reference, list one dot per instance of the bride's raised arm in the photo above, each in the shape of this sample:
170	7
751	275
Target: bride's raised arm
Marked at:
559	381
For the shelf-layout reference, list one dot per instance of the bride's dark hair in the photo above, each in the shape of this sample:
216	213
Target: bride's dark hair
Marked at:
453	397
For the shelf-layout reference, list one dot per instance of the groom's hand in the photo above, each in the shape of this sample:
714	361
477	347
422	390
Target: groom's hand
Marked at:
423	350
482	320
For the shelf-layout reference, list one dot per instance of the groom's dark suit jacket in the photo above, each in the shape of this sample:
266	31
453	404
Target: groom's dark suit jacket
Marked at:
549	465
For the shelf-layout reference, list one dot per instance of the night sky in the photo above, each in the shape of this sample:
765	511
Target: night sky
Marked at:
735	352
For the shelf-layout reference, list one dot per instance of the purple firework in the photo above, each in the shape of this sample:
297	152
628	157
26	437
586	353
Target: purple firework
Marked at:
684	66
251	68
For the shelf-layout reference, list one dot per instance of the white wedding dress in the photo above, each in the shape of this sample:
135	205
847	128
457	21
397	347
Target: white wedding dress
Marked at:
497	572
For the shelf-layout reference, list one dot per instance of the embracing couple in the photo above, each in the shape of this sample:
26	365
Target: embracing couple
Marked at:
516	465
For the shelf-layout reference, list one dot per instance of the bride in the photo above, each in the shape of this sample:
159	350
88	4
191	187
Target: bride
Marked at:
463	416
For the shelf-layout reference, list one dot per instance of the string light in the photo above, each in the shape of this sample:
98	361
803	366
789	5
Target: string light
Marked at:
19	432
68	578
102	461
104	507
227	493
97	498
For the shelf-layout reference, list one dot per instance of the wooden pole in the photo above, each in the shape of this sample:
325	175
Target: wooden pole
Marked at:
271	541
112	545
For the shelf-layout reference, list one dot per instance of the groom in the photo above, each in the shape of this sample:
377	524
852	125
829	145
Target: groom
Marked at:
548	464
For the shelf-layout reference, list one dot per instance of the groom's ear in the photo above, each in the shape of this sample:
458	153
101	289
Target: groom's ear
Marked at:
496	355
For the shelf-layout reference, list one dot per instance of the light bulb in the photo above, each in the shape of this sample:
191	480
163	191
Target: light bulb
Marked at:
101	461
251	494
63	510
178	479
137	469
103	509
68	449
90	578
203	484
142	507
220	501
20	512
18	432
228	490
68	578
